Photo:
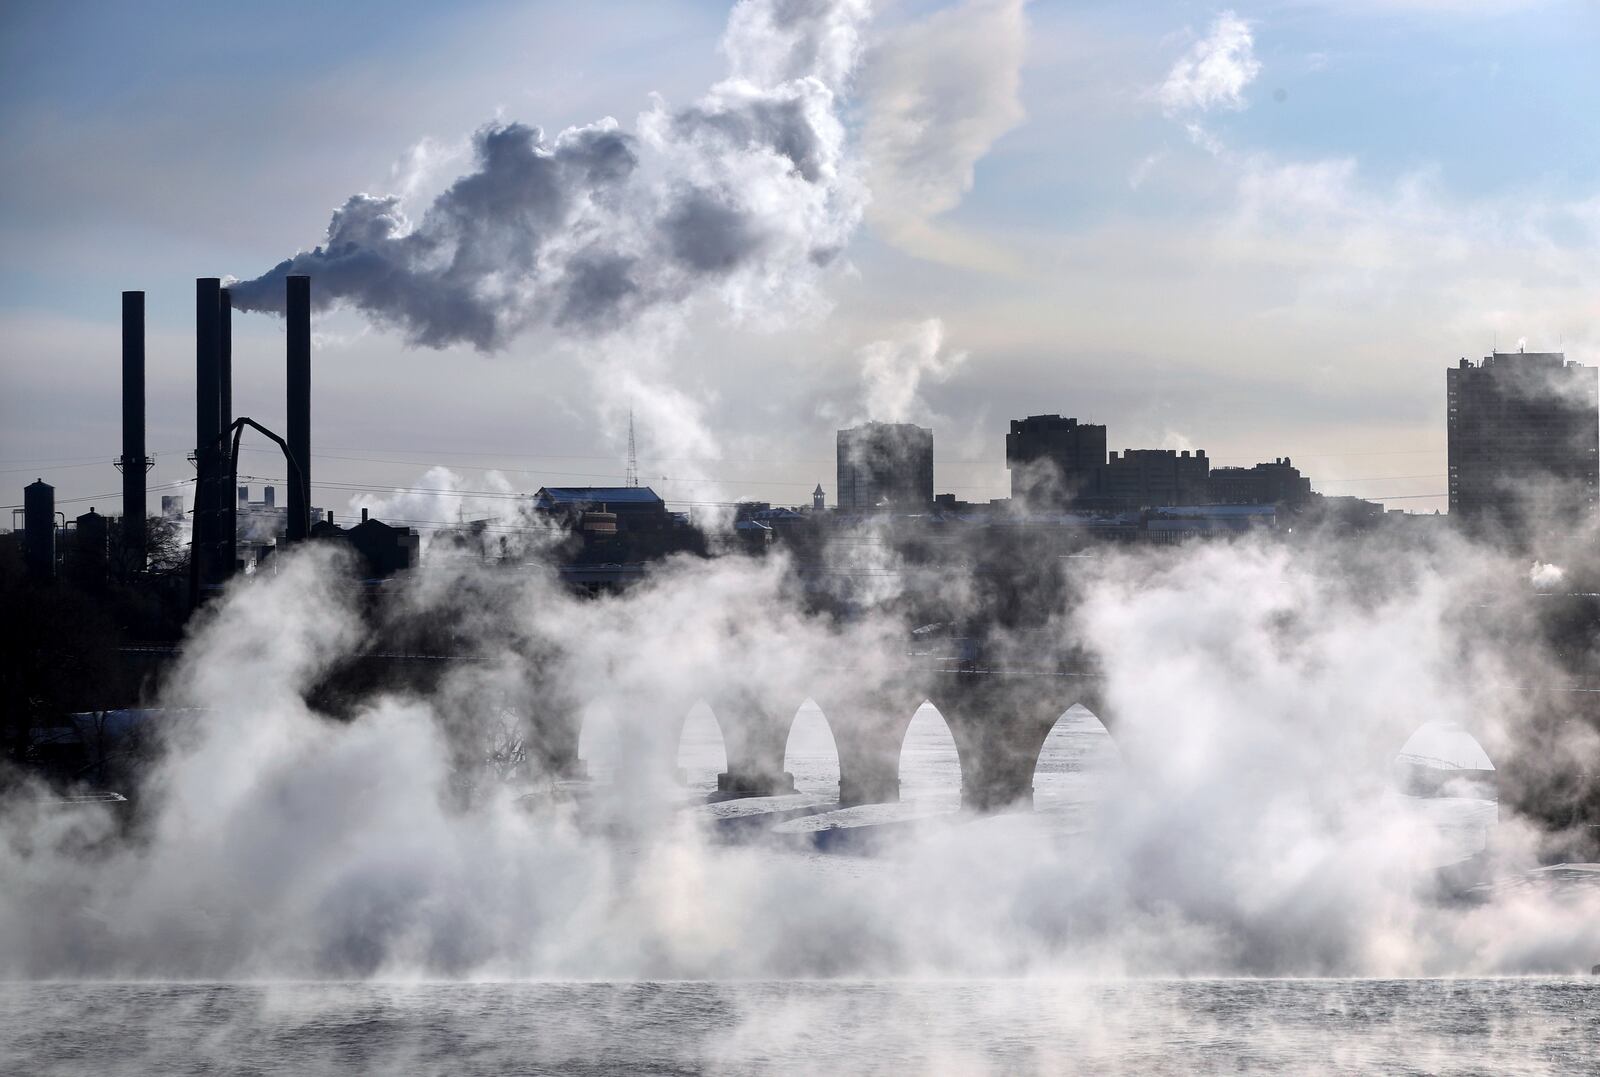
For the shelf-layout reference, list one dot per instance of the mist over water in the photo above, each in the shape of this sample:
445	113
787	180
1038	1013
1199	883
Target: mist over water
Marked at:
1239	819
982	1027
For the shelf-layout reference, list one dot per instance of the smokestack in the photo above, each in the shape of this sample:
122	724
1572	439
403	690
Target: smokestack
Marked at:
207	428
228	521
299	378
133	462
224	359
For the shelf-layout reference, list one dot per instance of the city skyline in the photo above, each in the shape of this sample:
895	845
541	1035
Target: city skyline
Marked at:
789	536
945	309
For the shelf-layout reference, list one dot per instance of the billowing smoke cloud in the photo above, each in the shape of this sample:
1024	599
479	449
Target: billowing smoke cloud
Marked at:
745	195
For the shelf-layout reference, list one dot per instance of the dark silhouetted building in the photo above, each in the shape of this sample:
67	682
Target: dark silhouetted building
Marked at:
1277	483
385	550
39	528
90	545
1152	478
1054	461
1524	438
381	550
886	465
630	508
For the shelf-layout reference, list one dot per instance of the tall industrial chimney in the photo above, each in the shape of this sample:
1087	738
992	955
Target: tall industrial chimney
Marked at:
133	463
224	359
299	428
227	513
208	504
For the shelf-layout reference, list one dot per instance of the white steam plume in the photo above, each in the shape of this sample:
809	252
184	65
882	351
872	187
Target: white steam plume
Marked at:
743	195
1256	689
894	371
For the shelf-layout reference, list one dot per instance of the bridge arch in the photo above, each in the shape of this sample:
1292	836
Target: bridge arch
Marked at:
627	736
869	725
1442	758
702	748
1075	760
811	751
931	766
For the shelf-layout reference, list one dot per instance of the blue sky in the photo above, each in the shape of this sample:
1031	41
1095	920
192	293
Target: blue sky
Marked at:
1275	255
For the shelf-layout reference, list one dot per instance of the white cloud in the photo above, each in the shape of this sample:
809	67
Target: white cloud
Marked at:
939	93
1142	170
1215	71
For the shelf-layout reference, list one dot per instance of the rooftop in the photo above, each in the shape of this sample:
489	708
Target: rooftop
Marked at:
586	495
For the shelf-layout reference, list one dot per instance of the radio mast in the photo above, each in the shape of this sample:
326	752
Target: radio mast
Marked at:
633	454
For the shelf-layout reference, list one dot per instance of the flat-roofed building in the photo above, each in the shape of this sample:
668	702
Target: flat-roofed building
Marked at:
1277	483
886	465
1524	439
1150	478
1054	461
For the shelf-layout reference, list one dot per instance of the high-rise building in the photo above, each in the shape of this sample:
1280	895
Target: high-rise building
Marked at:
886	465
1524	438
1277	483
1150	478
1054	461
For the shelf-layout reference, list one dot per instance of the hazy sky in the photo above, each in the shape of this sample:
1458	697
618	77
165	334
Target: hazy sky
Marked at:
1262	230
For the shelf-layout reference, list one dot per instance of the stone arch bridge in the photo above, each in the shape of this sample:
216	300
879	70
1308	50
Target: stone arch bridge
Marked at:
999	720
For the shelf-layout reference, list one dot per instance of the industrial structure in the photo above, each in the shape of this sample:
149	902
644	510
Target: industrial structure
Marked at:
1524	439
229	533
133	463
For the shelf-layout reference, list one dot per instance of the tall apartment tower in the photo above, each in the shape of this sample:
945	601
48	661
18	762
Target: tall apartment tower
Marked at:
1524	439
1054	461
886	465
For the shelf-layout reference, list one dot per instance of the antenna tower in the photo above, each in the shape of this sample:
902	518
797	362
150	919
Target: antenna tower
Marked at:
633	454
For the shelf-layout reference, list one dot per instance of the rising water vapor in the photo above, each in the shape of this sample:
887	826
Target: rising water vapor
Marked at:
1257	691
743	195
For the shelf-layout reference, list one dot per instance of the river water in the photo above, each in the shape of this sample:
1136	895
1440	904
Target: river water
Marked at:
955	1026
1507	1026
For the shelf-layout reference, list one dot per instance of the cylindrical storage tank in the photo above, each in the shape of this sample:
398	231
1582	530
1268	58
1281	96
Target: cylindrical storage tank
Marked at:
39	529
599	524
89	548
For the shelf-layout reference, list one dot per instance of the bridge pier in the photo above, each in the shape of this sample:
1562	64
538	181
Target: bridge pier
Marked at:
999	722
550	721
552	742
869	728
755	735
